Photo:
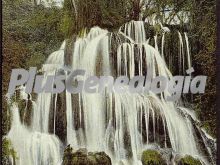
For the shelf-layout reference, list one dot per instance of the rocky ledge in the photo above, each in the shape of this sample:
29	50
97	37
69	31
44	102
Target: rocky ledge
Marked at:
149	157
83	157
155	157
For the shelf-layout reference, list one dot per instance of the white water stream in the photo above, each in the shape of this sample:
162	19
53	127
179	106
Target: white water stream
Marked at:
109	122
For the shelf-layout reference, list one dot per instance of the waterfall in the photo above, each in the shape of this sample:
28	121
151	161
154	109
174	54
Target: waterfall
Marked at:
127	107
34	145
135	30
120	124
41	114
188	50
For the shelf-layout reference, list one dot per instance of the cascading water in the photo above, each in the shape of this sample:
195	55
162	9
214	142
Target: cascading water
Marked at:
122	125
33	147
34	144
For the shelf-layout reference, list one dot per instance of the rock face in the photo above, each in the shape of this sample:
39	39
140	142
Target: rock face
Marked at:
189	160
152	157
82	157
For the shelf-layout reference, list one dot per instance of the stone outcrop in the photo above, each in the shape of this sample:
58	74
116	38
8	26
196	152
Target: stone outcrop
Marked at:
152	157
189	160
83	157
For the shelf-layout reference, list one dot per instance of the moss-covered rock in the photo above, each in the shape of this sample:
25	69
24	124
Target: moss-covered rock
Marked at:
7	152
82	157
189	160
152	157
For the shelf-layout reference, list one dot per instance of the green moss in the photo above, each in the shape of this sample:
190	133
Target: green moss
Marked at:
189	160
82	32
152	157
8	150
82	157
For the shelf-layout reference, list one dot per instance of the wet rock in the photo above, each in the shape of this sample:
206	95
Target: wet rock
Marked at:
101	158
68	57
188	160
150	31
60	116
83	157
152	157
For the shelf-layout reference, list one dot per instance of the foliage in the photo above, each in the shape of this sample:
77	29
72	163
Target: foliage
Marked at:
203	36
30	34
104	13
168	10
